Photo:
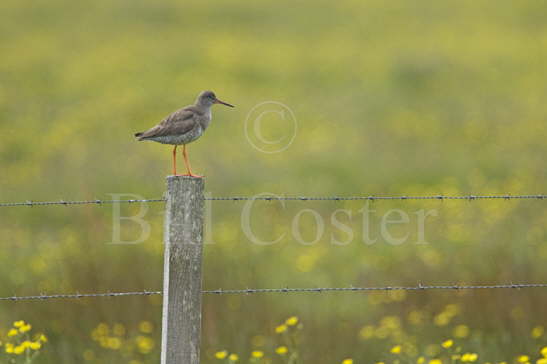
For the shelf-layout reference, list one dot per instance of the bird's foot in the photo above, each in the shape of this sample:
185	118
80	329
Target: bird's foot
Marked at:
191	175
187	175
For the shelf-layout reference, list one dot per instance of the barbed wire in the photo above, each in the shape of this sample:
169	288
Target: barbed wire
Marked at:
30	203
78	295
374	198
248	291
69	203
418	287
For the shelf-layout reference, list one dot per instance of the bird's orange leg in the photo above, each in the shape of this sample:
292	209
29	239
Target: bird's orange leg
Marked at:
175	161
187	163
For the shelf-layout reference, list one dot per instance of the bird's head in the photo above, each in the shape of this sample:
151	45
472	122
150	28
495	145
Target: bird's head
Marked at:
208	98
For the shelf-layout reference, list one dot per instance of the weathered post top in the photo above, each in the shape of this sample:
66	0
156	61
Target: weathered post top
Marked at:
183	239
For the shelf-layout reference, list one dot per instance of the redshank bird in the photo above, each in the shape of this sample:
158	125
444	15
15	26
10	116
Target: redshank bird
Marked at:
183	127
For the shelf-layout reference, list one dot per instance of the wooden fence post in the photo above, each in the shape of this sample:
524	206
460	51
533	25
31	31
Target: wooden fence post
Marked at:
183	238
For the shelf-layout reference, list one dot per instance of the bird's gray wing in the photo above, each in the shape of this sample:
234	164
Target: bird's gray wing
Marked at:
178	123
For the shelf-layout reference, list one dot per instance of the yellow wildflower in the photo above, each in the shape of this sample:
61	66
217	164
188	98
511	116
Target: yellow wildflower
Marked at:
435	361
118	330
281	328
25	344
12	332
442	319
145	327
523	359
282	350
420	360
9	348
447	343
25	328
537	332
380	362
43	338
114	343
233	357
102	329
145	344
347	361
469	357
19	349
221	354
390	322
19	323
543	351
103	341
291	321
36	345
396	349
461	331
541	361
257	354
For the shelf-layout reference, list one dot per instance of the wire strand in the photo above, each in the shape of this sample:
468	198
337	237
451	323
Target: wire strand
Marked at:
30	203
42	297
419	287
70	203
374	198
248	291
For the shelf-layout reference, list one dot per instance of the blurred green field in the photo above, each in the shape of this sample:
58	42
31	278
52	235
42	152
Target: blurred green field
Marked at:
390	98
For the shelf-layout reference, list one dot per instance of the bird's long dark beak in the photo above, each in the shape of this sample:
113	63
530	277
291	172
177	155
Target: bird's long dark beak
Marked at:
217	101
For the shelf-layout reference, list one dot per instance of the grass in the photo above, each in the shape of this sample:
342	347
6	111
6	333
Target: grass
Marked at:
389	98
